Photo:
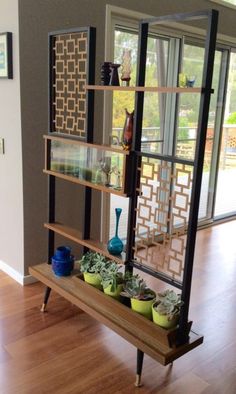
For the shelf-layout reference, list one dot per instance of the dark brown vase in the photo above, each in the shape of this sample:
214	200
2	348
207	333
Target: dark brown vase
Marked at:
128	130
114	76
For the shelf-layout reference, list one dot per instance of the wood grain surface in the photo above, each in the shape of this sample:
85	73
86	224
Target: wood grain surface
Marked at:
66	351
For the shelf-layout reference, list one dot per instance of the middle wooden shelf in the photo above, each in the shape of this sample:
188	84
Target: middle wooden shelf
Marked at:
100	167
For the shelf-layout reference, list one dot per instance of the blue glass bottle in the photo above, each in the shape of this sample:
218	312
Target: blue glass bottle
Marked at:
115	245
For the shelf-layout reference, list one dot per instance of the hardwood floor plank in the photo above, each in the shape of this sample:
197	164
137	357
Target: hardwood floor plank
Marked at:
66	351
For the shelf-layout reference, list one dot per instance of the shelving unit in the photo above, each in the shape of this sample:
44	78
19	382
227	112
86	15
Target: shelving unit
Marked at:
153	89
156	183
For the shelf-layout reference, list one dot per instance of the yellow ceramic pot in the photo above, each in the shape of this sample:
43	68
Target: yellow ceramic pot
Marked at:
93	279
143	307
114	294
162	320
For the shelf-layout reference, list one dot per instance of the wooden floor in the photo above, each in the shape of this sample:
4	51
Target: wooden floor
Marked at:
66	351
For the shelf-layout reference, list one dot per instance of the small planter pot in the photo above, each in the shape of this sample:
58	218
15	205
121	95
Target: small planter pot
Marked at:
62	267
93	279
143	307
115	294
162	320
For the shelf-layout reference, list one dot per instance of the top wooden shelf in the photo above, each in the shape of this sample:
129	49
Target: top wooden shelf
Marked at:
161	89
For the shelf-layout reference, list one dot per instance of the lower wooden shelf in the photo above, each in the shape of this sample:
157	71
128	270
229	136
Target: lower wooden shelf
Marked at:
76	236
153	340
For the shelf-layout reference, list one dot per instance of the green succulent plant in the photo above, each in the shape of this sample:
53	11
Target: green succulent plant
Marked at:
111	276
92	262
136	287
168	303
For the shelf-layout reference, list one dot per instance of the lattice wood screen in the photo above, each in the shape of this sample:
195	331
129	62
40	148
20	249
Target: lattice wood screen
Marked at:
162	216
68	104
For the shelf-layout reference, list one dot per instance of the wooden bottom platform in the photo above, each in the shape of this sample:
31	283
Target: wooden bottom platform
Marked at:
153	340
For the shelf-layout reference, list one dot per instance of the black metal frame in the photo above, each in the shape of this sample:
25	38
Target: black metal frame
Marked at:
91	31
89	138
9	63
197	164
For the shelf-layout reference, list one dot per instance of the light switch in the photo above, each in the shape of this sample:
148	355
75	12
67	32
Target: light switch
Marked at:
2	146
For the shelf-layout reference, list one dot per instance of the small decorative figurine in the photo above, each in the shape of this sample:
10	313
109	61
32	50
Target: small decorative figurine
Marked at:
128	130
115	245
126	67
115	170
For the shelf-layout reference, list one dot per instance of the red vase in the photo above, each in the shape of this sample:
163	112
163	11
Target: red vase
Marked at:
128	130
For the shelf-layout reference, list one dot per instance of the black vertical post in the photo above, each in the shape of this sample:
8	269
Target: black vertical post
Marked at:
136	143
89	125
198	169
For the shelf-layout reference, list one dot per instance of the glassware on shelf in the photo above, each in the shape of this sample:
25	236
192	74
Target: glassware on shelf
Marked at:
114	77
94	164
182	80
115	245
128	130
126	67
190	81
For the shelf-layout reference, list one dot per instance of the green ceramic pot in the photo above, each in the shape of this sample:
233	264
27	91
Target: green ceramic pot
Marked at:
162	320
114	294
143	307
93	279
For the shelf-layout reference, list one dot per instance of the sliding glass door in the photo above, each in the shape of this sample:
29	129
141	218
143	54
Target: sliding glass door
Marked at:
225	202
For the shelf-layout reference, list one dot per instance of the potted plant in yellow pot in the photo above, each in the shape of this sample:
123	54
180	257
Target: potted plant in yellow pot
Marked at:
91	265
140	295
112	279
166	309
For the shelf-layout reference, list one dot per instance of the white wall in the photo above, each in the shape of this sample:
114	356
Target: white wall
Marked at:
11	189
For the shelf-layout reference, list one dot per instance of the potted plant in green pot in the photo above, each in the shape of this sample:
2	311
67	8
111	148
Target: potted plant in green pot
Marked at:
112	279
91	265
166	309
140	295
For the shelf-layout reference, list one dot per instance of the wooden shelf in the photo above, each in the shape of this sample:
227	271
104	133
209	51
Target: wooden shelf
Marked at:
72	178
76	236
153	89
153	340
67	140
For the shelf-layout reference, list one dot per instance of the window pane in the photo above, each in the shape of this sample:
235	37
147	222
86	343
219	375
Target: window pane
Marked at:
226	187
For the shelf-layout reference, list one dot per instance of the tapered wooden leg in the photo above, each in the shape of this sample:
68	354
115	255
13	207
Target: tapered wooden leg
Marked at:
46	296
140	355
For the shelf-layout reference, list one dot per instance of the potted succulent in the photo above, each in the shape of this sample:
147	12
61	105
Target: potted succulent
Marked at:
112	279
166	309
91	265
140	295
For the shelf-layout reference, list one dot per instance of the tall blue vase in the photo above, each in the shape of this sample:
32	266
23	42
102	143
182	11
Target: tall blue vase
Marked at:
115	245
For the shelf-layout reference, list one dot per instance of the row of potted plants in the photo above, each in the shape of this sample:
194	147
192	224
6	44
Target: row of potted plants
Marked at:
163	308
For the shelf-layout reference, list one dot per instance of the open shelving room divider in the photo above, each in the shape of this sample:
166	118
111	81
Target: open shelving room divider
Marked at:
163	197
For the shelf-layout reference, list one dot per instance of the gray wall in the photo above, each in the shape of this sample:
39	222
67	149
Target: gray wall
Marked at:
11	196
36	19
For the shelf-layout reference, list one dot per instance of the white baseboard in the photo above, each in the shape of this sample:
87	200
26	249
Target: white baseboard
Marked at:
17	276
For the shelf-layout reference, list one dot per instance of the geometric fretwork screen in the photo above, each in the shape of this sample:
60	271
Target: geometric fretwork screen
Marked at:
162	216
68	77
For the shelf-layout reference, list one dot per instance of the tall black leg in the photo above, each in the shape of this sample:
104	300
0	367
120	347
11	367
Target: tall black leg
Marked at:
46	296
140	355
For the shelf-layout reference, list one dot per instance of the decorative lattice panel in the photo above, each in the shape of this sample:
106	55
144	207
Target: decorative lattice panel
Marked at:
162	216
69	78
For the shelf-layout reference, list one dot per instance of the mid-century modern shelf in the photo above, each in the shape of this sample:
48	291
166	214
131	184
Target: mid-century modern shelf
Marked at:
160	89
84	163
73	179
155	341
76	236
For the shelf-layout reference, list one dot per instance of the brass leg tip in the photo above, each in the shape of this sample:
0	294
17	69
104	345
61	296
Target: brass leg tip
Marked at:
138	381
43	308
